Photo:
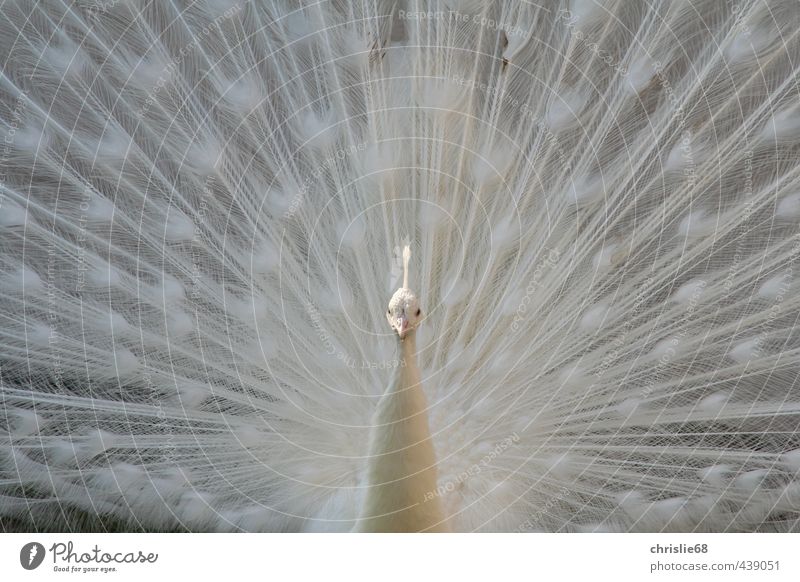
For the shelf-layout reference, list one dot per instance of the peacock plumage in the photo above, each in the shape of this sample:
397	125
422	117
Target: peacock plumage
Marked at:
204	207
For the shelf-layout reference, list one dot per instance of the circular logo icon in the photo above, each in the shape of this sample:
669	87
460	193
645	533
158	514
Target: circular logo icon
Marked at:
31	555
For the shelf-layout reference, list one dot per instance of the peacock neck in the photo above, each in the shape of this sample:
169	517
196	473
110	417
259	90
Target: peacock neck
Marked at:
401	495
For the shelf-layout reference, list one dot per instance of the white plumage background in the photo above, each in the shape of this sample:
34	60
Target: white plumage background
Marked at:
203	207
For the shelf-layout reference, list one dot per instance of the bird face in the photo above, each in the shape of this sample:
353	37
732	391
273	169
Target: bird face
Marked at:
404	313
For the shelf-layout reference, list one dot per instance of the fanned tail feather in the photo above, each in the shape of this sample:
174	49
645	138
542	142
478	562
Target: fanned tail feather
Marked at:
202	207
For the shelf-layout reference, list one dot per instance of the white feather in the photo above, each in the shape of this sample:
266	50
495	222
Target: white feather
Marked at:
201	208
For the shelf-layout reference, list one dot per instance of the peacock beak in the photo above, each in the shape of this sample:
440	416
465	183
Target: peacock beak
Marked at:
401	326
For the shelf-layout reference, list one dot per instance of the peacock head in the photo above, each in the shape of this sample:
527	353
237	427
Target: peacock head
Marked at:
404	313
